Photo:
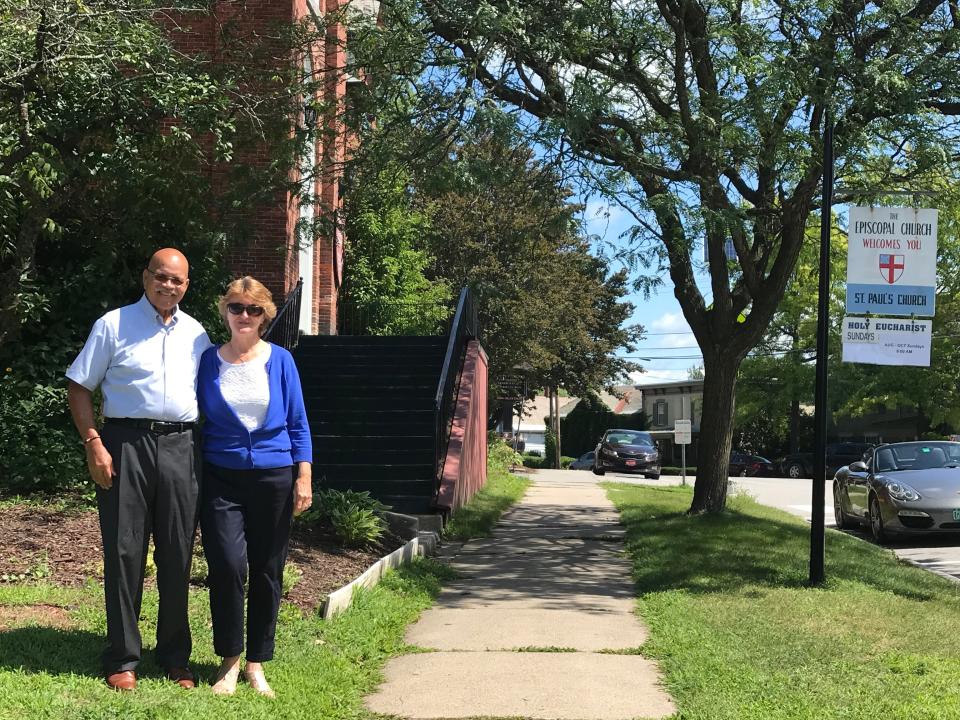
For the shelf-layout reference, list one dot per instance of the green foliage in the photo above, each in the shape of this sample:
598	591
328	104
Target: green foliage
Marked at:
702	123
386	290
39	449
107	137
480	514
501	456
291	576
486	213
355	517
549	444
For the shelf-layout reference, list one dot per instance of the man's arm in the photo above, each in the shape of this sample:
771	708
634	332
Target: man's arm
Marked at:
99	461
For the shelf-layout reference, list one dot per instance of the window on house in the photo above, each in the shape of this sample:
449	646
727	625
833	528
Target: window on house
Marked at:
660	413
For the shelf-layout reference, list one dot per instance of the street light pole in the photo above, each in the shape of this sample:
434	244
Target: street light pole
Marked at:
817	574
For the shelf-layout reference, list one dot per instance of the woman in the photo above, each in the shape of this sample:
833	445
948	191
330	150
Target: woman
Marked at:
257	454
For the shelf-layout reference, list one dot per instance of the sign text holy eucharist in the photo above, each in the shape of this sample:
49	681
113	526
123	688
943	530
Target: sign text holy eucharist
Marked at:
891	270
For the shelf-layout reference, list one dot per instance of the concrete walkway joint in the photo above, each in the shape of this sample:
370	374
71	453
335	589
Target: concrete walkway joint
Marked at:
540	623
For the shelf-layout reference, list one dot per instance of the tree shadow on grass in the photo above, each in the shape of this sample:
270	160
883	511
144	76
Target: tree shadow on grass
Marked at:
55	651
742	547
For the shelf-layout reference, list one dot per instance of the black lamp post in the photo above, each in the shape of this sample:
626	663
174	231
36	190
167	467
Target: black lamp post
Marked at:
820	393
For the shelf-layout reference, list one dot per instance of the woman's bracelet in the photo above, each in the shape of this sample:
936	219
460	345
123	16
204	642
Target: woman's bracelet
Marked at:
91	439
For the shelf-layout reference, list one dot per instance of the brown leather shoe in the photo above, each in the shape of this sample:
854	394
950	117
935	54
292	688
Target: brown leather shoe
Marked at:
123	680
182	677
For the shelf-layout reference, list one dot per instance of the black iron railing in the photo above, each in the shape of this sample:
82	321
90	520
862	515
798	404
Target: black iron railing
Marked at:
285	328
463	329
389	317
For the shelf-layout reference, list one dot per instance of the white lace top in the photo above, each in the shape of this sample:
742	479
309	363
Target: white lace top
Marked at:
246	388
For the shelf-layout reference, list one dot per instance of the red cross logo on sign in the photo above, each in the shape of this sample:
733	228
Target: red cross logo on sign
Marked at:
891	267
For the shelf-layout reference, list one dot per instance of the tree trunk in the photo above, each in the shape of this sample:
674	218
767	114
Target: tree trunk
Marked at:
716	434
794	425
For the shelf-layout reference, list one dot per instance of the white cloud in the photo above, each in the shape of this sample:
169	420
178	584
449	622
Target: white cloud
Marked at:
670	322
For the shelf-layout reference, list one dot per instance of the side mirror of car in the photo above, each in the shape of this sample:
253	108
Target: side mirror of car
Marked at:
858	466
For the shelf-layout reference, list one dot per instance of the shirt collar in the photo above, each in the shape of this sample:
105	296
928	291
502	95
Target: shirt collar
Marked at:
151	312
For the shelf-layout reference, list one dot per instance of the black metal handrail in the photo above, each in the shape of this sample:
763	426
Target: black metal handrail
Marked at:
463	329
285	328
391	317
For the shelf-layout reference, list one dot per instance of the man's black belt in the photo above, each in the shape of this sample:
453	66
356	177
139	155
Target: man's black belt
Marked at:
161	427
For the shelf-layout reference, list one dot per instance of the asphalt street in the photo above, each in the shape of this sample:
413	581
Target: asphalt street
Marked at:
939	554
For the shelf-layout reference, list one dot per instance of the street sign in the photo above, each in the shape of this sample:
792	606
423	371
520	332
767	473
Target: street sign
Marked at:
887	341
682	432
892	261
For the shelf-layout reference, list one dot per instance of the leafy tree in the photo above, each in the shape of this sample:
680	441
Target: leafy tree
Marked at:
489	215
705	120
386	290
113	143
778	378
503	224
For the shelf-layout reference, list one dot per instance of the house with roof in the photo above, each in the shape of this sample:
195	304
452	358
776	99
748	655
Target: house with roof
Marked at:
665	403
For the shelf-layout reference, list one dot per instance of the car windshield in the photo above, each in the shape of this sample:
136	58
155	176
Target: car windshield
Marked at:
917	456
627	438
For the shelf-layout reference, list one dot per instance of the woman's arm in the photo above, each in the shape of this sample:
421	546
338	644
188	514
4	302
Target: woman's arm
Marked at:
303	488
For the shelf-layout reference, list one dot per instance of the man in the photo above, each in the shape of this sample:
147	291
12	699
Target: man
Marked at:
144	359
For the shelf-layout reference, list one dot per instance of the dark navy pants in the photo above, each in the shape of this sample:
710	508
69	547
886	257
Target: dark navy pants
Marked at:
245	518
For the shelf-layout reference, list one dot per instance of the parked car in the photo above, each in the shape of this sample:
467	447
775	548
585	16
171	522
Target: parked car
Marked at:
584	462
800	465
908	487
627	451
744	465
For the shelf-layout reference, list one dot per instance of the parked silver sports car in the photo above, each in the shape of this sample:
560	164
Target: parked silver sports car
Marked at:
900	488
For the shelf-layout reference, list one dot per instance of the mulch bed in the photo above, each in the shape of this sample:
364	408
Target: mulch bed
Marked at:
63	547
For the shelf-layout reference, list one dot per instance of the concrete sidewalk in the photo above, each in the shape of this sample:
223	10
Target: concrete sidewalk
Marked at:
537	623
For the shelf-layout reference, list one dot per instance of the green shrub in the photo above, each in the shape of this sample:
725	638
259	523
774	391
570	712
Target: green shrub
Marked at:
39	447
535	461
668	470
501	455
291	576
354	516
565	461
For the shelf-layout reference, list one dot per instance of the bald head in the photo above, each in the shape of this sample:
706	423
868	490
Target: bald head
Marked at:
172	256
165	280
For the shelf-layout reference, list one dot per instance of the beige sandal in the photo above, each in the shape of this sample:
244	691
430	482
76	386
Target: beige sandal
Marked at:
226	682
258	682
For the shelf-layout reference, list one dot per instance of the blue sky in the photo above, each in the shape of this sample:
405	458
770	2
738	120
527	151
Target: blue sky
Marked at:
668	347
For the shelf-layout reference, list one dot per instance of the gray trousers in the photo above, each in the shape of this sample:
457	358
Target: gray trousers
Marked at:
155	491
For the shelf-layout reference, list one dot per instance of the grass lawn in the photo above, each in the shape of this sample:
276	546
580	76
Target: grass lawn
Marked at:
739	636
477	518
50	667
321	669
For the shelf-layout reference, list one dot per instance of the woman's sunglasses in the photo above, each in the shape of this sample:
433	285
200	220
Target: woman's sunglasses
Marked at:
239	308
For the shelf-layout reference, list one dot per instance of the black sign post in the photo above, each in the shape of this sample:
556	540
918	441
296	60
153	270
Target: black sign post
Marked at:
817	574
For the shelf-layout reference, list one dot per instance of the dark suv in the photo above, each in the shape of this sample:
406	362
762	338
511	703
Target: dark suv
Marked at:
627	451
800	465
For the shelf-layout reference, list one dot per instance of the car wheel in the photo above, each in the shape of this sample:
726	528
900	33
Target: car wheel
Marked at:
653	477
597	470
876	522
795	470
743	473
842	522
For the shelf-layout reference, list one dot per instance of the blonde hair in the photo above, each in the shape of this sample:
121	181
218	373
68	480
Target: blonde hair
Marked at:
256	291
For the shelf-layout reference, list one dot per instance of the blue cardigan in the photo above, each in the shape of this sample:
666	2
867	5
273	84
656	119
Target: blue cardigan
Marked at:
284	437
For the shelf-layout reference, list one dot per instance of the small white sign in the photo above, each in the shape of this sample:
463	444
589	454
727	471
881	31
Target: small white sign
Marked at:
682	432
887	341
892	261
